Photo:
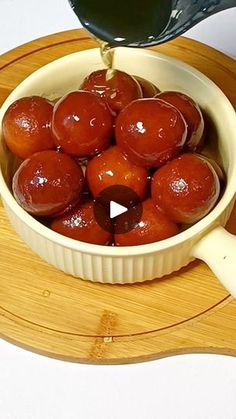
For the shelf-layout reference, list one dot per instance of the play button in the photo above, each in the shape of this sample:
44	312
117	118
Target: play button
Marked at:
117	209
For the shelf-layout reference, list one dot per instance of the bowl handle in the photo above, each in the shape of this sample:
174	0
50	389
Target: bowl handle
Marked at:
218	250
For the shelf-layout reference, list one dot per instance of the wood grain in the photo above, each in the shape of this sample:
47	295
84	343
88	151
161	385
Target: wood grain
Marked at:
55	314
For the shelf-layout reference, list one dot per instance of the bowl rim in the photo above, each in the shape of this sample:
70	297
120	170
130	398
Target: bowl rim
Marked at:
209	220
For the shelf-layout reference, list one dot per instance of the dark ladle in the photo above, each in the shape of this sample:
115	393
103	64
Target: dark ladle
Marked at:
144	23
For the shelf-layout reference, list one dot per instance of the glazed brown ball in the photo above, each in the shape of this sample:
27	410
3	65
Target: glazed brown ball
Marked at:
192	115
48	183
82	124
26	126
80	224
153	226
111	168
186	189
116	87
148	88
150	132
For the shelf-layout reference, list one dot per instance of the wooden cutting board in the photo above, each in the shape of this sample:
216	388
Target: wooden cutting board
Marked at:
49	312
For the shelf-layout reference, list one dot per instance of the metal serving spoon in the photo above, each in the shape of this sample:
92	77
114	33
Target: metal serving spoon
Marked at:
144	23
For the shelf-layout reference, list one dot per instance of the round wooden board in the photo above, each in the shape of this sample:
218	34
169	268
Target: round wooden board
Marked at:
49	312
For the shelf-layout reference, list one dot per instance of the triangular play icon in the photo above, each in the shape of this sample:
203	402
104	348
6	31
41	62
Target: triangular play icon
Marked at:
116	209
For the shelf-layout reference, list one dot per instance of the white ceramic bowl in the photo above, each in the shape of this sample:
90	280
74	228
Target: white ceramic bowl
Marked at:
206	240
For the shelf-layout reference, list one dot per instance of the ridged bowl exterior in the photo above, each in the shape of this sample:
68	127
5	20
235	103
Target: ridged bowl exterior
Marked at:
109	269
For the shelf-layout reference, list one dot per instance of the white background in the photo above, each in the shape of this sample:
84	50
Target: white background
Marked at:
183	387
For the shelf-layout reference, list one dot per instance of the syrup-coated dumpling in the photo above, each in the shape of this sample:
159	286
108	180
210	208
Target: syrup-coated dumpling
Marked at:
116	87
47	183
80	224
192	115
152	227
150	132
112	168
82	124
186	189
26	126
